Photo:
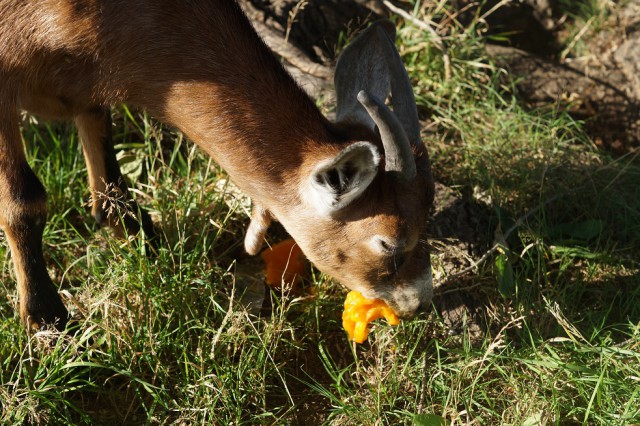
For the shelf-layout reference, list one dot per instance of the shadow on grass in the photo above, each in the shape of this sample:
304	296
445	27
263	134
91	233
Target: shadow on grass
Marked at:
573	256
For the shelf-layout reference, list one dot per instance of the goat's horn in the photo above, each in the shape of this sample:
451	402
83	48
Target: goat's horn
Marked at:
397	149
404	102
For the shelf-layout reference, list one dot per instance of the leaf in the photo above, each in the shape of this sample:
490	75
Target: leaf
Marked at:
131	164
578	252
506	283
428	420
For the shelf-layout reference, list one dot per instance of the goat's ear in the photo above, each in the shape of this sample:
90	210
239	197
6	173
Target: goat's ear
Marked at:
336	182
371	63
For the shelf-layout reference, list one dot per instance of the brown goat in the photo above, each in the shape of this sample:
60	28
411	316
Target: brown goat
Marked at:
354	194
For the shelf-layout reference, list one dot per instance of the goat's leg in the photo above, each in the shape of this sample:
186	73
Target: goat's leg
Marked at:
112	203
23	214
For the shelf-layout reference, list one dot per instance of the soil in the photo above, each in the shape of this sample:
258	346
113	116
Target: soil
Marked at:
600	87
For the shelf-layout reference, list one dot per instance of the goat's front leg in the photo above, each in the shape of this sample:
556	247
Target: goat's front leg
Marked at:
260	221
112	203
23	214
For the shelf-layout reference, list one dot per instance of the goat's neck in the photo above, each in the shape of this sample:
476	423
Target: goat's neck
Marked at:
259	136
232	97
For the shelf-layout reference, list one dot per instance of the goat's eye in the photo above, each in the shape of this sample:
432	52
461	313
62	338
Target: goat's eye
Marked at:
386	246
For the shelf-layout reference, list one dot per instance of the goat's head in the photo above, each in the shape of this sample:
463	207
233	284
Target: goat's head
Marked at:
365	201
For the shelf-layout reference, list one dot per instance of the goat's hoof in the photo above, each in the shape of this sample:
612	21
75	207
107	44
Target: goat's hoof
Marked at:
54	315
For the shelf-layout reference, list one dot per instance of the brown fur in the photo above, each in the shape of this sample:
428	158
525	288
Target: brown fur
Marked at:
200	66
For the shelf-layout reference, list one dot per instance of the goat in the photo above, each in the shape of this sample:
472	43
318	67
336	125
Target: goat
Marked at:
354	194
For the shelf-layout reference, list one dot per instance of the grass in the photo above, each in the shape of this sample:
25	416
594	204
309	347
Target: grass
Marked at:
586	20
553	337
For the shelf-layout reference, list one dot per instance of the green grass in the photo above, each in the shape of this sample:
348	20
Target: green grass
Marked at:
556	336
585	21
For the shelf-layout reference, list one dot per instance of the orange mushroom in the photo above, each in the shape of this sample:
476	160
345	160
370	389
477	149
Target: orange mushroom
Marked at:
285	264
360	311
